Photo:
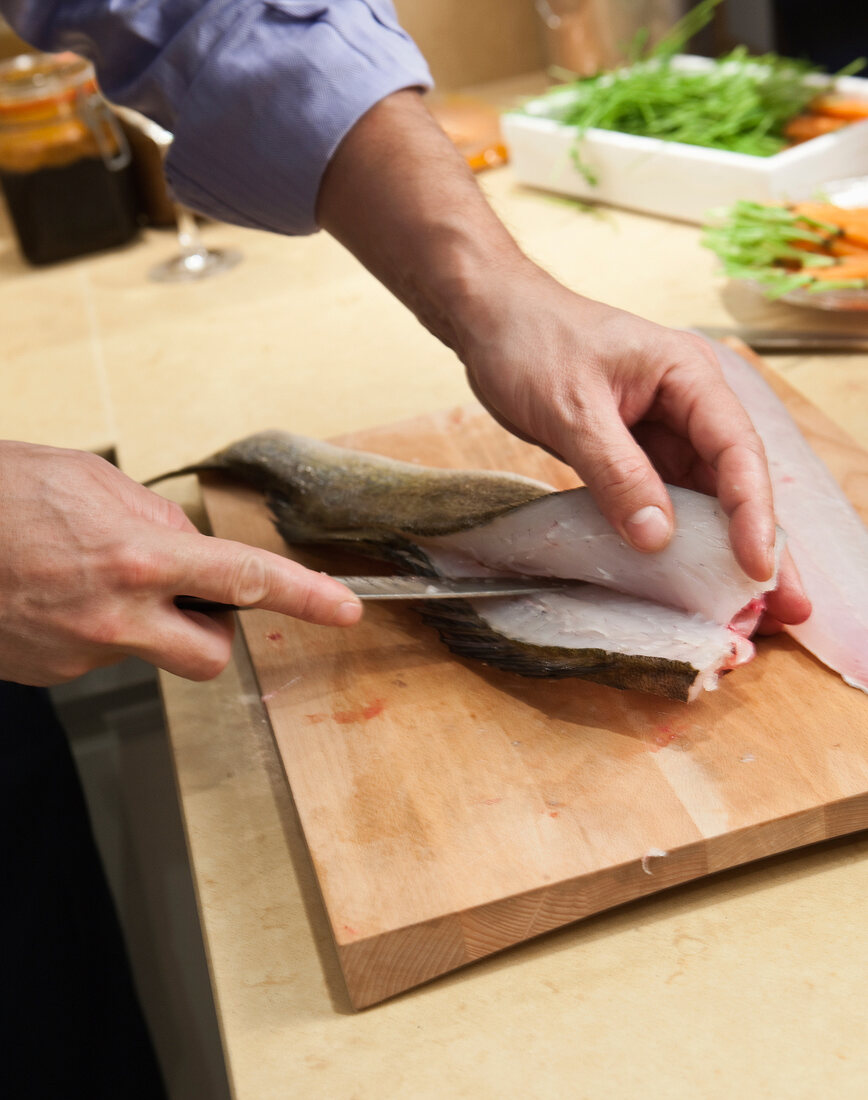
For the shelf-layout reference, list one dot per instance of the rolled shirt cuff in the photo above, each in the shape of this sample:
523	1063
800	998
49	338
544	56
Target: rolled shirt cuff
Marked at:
265	112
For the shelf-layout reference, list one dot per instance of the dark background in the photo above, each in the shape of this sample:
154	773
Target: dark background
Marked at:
828	33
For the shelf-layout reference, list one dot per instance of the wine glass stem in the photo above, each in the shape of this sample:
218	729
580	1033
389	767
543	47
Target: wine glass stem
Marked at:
188	232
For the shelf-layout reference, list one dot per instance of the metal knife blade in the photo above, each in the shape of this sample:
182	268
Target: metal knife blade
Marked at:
772	340
408	587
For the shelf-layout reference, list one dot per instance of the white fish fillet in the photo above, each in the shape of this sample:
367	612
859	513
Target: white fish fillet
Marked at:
826	537
588	617
566	535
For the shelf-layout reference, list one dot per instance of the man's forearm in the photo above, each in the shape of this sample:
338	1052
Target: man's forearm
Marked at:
400	197
618	398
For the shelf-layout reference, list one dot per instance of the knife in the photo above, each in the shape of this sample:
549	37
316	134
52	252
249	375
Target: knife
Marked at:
407	587
771	340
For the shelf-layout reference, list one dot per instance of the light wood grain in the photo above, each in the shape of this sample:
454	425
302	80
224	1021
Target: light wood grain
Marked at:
452	810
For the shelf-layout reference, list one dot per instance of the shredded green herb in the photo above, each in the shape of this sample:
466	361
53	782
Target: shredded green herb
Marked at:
761	243
740	103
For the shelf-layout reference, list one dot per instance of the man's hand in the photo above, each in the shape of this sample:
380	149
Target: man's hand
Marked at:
626	402
629	405
90	563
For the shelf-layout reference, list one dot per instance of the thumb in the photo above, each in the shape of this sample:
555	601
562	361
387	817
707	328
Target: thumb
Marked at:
620	476
232	572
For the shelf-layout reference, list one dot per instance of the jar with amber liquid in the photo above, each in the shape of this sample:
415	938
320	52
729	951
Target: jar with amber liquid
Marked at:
65	165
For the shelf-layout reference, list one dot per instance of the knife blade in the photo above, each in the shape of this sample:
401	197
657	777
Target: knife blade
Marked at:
408	587
772	340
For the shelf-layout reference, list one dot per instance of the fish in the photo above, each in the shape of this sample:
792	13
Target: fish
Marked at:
668	623
826	538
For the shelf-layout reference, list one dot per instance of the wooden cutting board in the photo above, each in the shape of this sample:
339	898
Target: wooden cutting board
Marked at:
452	810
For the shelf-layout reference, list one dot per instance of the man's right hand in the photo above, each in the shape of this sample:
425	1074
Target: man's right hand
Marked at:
90	564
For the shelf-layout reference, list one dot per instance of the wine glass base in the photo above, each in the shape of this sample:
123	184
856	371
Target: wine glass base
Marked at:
195	266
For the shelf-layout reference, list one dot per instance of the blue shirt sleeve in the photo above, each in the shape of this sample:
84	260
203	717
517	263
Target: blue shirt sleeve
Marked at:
257	93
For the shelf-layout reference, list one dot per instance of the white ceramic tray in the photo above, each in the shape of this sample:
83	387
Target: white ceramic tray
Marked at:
666	177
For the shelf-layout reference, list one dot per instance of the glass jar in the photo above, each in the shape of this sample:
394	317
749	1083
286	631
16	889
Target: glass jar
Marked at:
586	37
65	165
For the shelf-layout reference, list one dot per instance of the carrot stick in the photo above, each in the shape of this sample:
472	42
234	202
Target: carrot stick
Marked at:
843	246
811	246
853	223
857	233
805	127
849	108
489	157
820	211
849	269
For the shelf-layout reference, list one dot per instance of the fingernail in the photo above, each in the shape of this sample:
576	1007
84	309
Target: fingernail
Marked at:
648	529
348	613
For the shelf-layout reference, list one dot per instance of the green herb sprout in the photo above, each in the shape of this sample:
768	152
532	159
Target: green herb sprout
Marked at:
740	104
759	242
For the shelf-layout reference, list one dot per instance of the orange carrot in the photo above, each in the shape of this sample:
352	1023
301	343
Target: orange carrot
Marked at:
849	269
805	127
812	246
843	246
857	233
849	108
821	211
489	157
852	223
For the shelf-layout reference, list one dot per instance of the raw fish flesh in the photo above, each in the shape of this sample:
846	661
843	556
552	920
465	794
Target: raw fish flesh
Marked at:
566	535
826	537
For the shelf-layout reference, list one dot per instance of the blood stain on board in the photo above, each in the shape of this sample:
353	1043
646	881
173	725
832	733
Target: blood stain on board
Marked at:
274	636
666	737
362	714
347	717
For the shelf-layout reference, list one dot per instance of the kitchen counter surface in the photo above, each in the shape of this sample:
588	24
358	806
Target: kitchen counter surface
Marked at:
748	983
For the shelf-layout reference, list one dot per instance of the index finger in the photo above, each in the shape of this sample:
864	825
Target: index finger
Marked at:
235	573
723	436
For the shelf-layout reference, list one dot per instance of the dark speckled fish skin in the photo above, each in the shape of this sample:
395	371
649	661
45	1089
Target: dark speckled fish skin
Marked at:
321	489
468	635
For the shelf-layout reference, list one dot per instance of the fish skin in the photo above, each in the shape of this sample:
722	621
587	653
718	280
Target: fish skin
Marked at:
352	495
330	495
461	629
589	621
826	538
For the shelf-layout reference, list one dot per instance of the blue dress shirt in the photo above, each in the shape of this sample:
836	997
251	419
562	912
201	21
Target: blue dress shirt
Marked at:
257	93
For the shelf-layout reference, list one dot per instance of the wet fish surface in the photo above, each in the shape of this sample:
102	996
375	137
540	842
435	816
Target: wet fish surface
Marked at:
667	623
826	537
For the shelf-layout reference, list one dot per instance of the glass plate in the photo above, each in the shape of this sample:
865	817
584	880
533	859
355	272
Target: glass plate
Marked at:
849	193
850	301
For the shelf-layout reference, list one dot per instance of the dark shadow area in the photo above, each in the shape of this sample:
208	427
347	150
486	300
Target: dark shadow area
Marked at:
114	721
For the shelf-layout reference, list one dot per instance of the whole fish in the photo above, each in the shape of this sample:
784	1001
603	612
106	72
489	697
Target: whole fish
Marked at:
667	623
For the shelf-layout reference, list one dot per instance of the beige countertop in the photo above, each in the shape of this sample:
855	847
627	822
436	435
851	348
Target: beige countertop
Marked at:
749	983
